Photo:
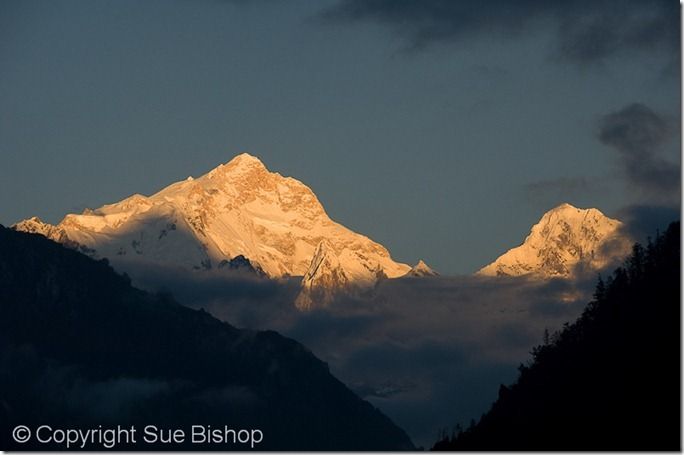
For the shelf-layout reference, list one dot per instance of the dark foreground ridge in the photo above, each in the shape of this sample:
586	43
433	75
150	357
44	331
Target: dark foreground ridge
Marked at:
611	380
81	348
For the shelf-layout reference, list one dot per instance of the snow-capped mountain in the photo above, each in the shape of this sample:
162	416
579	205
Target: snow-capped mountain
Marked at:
237	209
565	239
421	270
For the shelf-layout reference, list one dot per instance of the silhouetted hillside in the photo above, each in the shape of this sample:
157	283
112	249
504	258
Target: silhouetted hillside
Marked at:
611	380
79	347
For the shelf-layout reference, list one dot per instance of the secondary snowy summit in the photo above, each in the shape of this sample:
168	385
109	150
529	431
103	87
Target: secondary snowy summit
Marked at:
564	239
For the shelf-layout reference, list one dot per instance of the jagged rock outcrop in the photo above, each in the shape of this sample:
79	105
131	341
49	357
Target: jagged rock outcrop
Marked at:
421	269
324	280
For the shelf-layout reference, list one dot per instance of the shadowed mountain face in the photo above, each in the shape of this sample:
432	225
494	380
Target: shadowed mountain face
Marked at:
611	380
80	347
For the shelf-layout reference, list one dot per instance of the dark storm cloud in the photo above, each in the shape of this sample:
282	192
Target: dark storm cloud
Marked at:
587	31
634	130
592	31
644	221
637	133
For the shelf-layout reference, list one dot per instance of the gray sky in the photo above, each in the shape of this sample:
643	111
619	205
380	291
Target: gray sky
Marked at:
442	130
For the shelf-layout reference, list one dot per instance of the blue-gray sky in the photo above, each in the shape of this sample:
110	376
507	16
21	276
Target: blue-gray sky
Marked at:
443	130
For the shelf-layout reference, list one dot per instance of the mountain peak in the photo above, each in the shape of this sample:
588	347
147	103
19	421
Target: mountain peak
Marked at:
564	238
245	159
566	208
421	270
238	208
242	164
563	206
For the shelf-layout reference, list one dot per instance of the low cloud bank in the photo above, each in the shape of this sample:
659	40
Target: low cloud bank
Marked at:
428	352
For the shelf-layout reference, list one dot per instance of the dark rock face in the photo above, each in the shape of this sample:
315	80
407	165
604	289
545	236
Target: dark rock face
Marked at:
241	264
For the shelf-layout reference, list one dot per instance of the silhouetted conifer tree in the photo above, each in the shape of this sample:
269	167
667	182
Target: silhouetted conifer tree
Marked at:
609	381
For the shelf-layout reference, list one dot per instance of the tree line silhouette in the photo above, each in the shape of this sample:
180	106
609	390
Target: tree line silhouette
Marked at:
610	380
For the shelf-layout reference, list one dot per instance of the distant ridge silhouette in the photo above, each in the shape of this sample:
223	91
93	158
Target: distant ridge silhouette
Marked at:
80	347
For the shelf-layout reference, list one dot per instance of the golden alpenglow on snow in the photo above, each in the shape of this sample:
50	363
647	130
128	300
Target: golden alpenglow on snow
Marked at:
564	239
237	209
